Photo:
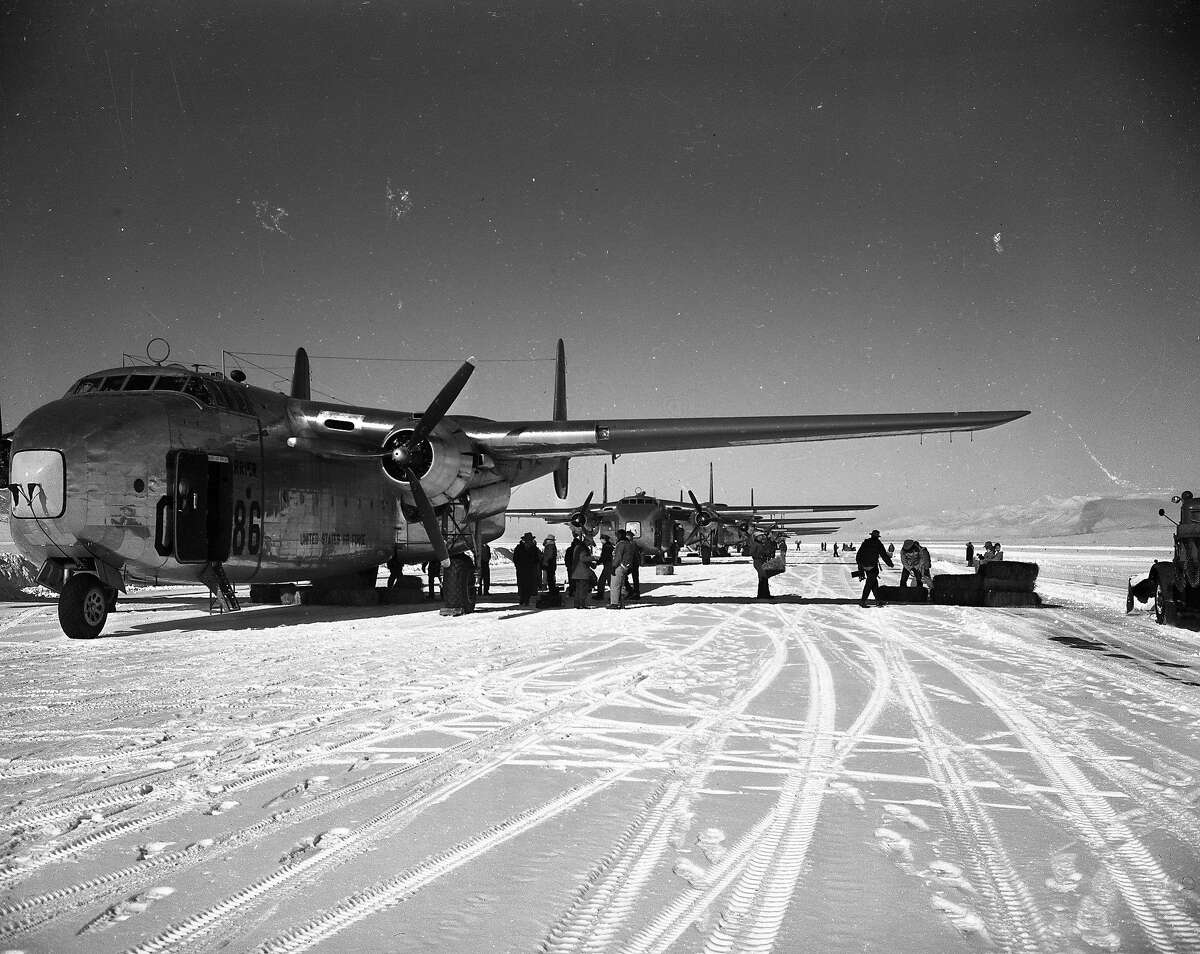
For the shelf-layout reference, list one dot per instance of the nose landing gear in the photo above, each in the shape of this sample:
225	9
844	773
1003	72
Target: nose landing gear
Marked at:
84	605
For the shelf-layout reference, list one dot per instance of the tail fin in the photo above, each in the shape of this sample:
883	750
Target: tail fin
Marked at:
560	414
302	377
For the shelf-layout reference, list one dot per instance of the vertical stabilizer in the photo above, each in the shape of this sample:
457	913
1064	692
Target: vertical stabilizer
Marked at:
560	414
302	377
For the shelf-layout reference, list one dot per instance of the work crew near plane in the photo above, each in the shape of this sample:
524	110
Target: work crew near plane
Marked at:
869	554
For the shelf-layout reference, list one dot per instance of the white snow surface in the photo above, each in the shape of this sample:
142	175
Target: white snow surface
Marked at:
699	772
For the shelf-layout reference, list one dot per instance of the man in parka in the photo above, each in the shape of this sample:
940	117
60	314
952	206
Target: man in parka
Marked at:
625	556
762	549
527	559
868	556
606	565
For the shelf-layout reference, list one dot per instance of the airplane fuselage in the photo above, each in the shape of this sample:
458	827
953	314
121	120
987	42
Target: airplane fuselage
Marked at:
159	481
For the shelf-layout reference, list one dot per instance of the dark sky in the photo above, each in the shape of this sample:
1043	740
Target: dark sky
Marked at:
723	207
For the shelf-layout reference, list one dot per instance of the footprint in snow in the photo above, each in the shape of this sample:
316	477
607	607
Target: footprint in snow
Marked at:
947	875
152	848
710	842
905	815
895	844
1064	876
849	792
690	872
964	919
124	910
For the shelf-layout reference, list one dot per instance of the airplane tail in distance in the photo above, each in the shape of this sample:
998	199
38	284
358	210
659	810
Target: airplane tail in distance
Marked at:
560	414
302	377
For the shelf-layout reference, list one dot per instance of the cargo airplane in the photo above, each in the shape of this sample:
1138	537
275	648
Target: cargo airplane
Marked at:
660	527
158	473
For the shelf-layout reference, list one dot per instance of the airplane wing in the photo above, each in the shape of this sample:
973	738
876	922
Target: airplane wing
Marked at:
548	439
724	512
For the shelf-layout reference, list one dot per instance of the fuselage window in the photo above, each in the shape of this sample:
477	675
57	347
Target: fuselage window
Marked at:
633	528
139	382
115	383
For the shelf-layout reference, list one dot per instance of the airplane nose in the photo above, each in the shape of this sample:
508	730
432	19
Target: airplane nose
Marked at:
77	468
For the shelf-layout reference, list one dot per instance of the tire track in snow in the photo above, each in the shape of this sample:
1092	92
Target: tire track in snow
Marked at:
572	701
1140	880
604	903
679	914
1011	918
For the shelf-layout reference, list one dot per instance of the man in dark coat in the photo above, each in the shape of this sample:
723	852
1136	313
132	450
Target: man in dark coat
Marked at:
868	557
606	565
762	549
527	559
970	553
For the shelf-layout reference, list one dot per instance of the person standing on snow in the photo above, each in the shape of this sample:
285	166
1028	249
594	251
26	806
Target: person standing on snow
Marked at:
606	565
527	559
581	575
970	553
625	555
868	556
550	563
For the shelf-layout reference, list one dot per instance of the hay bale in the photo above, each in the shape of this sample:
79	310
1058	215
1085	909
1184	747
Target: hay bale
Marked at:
1008	575
957	589
903	594
1011	598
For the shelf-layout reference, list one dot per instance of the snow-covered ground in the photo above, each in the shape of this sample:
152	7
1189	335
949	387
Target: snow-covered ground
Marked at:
700	772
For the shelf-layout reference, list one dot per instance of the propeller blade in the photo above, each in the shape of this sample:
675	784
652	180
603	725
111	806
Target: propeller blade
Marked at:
429	519
587	502
695	502
441	404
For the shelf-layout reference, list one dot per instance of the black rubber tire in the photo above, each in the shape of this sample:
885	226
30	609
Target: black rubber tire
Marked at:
458	584
1164	607
83	606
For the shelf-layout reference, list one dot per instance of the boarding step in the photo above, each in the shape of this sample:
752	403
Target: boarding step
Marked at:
218	584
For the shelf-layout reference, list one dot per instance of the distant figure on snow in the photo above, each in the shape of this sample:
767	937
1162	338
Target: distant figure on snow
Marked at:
835	549
970	553
869	554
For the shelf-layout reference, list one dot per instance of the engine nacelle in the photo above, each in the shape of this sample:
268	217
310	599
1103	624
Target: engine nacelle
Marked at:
444	463
704	517
488	501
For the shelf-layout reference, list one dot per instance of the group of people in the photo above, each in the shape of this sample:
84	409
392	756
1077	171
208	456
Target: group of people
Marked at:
617	563
991	552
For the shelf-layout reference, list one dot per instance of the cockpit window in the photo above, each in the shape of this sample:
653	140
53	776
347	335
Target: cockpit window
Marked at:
169	383
139	382
198	388
114	383
86	386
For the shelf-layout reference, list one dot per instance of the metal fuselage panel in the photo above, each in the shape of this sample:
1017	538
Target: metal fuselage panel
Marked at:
295	514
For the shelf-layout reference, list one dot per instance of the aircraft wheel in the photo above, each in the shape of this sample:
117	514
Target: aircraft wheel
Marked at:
83	606
458	584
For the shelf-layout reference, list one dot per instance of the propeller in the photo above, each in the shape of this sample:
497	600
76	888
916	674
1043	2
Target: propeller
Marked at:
703	519
579	519
404	453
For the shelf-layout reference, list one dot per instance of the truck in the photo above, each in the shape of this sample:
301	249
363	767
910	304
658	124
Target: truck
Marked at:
1176	583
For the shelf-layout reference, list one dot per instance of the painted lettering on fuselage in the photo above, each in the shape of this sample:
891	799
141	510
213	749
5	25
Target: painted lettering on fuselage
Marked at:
314	538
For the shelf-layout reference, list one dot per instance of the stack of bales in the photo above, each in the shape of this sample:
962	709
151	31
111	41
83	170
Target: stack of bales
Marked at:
998	583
